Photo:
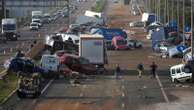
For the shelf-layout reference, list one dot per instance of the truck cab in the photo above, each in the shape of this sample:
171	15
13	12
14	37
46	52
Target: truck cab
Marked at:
50	63
119	43
180	73
9	29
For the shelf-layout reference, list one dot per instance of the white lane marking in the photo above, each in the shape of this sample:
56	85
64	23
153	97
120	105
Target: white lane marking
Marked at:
123	94
162	89
46	87
123	105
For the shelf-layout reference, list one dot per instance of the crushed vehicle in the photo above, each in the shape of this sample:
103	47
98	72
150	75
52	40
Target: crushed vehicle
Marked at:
52	66
29	85
56	42
70	36
23	65
78	64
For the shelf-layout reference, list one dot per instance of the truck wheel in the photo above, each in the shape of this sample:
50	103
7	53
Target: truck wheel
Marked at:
20	94
176	81
37	94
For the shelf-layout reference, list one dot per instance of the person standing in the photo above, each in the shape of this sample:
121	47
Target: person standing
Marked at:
153	67
140	69
117	71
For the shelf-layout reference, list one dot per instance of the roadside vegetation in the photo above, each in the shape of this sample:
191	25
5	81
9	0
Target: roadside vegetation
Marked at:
99	5
7	86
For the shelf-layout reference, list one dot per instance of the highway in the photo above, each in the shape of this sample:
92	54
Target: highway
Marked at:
27	38
105	92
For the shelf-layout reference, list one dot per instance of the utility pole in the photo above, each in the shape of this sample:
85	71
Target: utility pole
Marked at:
172	9
69	13
192	29
183	22
178	17
165	8
159	12
168	11
3	8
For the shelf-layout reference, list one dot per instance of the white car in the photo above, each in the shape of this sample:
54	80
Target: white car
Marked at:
38	21
34	26
180	73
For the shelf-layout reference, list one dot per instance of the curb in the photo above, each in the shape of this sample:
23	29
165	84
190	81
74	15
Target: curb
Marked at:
9	96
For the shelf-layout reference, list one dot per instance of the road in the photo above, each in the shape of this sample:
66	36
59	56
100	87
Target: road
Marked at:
27	37
128	92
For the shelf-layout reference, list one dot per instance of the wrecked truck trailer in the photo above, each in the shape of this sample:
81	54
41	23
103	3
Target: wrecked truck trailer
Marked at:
57	42
78	64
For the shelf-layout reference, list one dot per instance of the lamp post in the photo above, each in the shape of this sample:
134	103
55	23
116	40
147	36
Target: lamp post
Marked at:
183	22
178	17
192	29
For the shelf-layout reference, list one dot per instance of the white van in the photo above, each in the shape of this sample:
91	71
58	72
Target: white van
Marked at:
50	63
180	73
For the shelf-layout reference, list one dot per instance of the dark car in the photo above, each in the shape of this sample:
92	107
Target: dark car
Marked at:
23	65
78	64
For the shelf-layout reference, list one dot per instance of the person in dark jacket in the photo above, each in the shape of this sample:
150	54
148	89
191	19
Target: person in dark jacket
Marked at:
153	68
19	54
117	71
140	69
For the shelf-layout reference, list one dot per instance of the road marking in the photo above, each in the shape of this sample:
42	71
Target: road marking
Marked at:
123	94
46	87
123	105
162	89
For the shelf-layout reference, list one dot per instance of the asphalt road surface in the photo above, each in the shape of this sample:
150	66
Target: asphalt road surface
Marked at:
105	92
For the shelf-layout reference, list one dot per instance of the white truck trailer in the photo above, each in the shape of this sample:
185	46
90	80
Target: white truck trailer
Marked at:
92	47
9	28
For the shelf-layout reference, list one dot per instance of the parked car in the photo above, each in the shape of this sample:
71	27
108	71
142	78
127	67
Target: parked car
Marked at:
78	64
34	26
134	44
119	43
38	21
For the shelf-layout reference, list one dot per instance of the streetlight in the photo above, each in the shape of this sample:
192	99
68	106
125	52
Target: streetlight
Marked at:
183	22
192	29
178	17
69	13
